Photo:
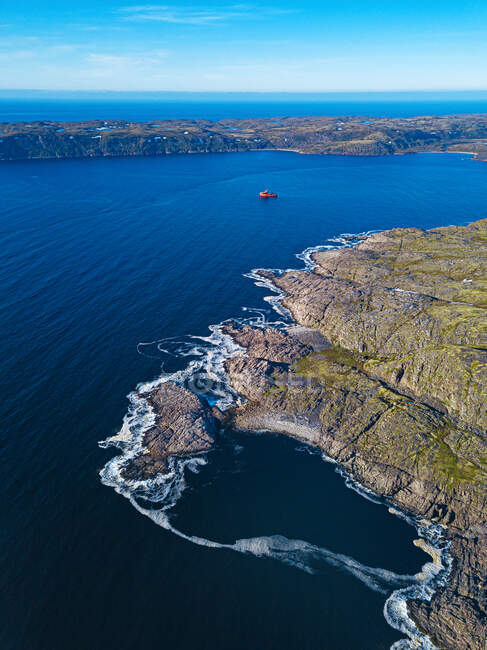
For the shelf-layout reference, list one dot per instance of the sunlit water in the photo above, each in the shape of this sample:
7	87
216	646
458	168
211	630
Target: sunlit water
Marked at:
71	106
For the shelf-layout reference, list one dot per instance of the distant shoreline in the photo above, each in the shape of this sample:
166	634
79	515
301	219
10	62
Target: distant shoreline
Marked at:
348	135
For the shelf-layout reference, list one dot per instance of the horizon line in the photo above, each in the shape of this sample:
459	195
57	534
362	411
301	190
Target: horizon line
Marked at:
245	92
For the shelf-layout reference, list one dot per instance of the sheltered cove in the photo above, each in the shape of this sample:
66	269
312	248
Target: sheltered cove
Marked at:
386	372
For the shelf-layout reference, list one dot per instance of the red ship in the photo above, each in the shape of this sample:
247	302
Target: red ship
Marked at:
267	195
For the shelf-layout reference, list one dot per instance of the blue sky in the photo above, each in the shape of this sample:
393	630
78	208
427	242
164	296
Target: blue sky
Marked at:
285	46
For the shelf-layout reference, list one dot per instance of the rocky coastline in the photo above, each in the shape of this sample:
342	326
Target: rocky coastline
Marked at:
385	371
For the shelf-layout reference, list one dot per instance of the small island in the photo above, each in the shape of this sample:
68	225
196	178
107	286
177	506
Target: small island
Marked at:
348	135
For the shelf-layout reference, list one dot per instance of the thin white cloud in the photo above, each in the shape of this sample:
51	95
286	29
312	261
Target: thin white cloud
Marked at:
272	67
13	55
146	58
191	16
86	27
107	64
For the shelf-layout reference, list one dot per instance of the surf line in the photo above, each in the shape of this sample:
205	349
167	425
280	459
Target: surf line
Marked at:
164	494
297	553
157	497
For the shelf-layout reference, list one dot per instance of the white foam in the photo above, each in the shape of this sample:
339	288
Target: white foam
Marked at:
302	555
294	552
346	240
432	575
273	300
205	370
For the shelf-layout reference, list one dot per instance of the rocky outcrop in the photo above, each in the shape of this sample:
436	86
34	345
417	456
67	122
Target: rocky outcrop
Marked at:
184	426
267	343
399	399
421	326
455	616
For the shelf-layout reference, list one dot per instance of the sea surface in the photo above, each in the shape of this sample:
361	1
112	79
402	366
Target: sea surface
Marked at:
28	106
101	256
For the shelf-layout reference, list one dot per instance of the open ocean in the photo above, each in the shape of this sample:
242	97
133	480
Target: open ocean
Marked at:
25	106
100	256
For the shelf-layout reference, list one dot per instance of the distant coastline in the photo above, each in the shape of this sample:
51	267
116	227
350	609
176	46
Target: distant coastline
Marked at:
348	136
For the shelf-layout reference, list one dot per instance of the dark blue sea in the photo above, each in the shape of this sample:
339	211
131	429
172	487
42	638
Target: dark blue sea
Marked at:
99	256
28	106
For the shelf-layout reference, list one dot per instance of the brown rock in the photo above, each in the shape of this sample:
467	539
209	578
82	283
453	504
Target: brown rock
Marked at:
184	426
267	343
400	397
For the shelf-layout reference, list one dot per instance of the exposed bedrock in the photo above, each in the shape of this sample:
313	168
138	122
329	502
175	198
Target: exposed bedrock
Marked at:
184	426
420	328
399	399
386	372
267	343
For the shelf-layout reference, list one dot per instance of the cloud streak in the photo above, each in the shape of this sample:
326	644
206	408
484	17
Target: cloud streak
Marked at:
190	16
110	65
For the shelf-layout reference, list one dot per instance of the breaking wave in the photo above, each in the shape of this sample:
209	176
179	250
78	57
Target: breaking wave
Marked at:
198	363
432	575
346	240
343	241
